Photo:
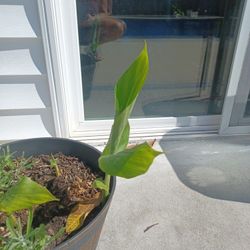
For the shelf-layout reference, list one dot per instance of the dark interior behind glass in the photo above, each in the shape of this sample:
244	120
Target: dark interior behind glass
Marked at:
191	46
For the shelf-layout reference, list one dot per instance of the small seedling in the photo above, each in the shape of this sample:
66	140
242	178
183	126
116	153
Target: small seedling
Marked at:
33	239
10	169
24	162
7	170
54	164
18	197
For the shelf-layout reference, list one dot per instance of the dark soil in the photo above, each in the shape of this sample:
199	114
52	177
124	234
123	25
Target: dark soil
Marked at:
72	185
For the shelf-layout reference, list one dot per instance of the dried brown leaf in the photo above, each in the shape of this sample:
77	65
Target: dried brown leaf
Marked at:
80	212
149	142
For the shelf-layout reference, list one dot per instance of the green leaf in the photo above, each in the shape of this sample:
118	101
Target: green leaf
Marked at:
132	81
126	91
130	162
99	183
25	194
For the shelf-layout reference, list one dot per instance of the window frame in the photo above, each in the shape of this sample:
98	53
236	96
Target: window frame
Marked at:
60	22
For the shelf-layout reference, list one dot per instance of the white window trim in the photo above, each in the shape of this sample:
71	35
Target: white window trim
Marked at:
62	51
51	79
234	80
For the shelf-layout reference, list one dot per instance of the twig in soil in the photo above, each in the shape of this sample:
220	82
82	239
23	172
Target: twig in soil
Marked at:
53	163
149	227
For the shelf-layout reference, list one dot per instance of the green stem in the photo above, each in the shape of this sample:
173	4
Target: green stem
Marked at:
107	182
13	219
58	172
10	223
29	221
96	36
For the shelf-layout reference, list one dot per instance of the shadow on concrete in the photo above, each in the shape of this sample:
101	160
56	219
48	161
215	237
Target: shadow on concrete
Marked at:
218	167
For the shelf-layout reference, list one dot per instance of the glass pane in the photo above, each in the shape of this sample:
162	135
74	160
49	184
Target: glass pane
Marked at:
191	44
241	108
247	110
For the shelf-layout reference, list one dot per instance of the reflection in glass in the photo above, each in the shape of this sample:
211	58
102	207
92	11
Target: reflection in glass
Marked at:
191	45
247	110
241	108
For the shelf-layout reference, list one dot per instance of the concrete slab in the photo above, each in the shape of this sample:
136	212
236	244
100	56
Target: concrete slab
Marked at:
196	198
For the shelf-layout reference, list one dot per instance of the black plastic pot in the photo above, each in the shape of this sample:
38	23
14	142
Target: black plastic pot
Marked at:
86	238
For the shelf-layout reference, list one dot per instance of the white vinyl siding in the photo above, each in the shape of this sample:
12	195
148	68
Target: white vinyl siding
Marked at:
14	22
25	104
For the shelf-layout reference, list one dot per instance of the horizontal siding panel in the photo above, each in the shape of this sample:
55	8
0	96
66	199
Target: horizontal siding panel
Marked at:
22	57
14	127
21	96
19	19
25	105
17	62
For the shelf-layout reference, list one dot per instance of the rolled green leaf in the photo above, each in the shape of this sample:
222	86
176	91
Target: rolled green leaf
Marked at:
131	82
130	162
25	194
126	91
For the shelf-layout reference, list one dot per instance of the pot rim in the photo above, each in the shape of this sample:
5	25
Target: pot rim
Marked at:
107	203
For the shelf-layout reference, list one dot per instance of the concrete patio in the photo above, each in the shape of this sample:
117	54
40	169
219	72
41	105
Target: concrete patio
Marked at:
194	197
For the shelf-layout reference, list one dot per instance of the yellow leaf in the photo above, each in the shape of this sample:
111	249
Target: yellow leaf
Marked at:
80	212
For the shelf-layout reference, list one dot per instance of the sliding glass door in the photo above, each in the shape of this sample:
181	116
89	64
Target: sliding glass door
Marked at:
241	108
196	51
191	46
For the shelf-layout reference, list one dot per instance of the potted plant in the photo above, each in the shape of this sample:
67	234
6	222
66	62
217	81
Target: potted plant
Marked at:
55	193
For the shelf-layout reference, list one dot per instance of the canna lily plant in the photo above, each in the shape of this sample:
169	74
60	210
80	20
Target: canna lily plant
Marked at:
117	158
